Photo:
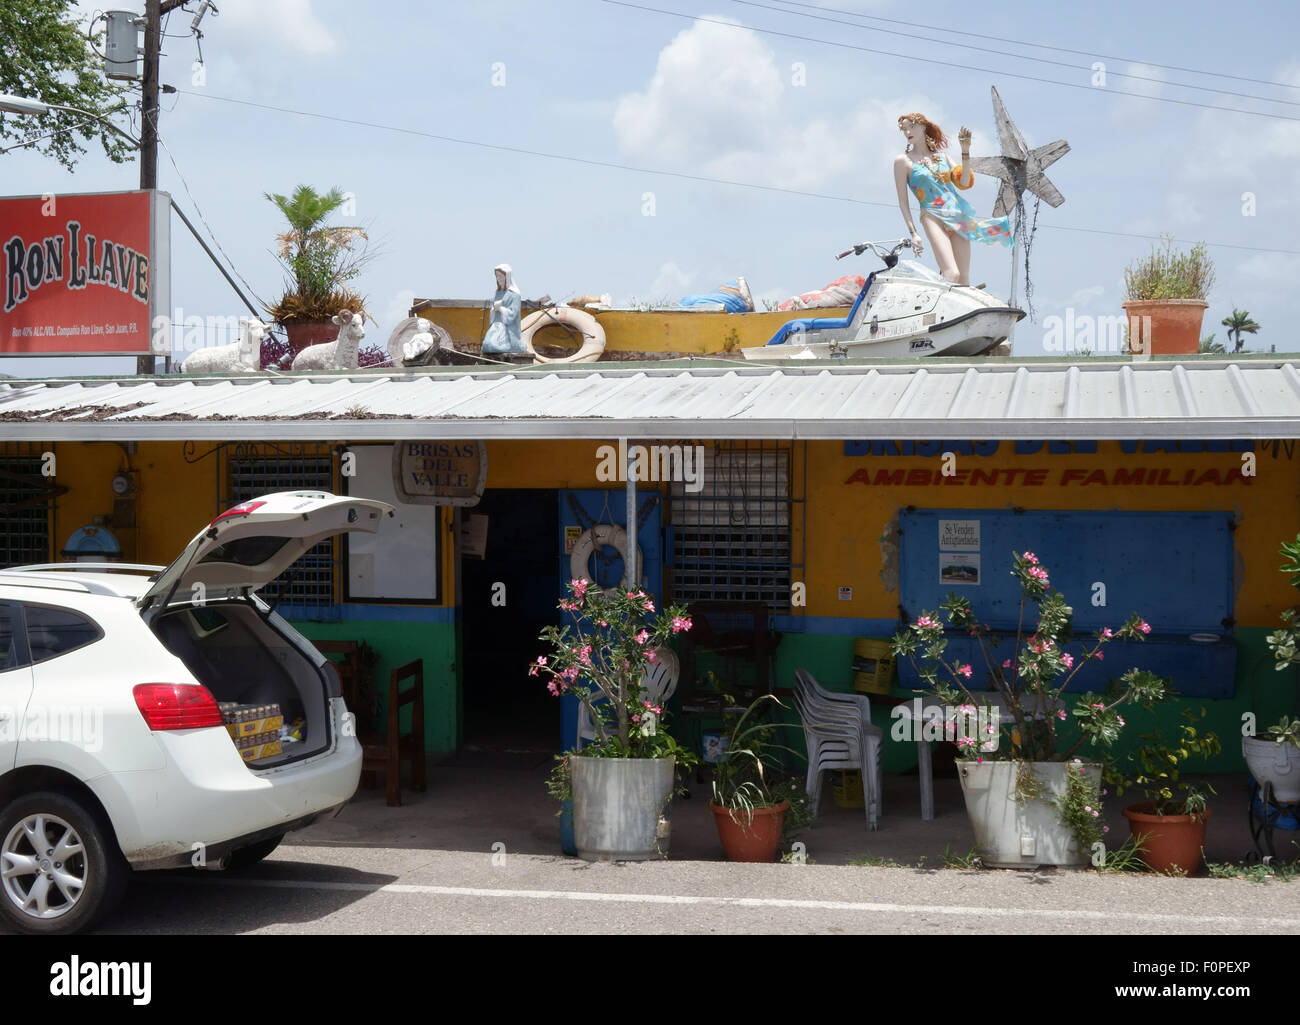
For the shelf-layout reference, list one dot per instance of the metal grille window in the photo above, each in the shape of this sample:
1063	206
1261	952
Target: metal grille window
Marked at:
309	583
25	497
734	538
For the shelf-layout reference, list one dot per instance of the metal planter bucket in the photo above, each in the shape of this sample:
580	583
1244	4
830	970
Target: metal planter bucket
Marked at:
1011	834
1271	762
617	805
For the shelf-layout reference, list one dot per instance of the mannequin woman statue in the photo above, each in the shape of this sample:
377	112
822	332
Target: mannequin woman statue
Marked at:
949	220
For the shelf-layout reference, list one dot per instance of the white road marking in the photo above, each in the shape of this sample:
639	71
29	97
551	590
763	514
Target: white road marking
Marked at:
1252	921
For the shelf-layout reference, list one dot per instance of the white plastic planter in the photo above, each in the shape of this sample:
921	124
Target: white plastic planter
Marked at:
1271	762
617	804
1013	834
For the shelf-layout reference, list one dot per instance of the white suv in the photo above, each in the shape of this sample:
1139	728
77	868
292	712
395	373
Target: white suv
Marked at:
113	752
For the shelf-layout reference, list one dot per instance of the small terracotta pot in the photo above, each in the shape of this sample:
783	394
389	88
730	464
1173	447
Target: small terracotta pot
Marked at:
1172	841
302	333
746	840
1165	327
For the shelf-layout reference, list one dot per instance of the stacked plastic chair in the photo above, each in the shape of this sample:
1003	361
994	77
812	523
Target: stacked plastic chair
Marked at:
838	733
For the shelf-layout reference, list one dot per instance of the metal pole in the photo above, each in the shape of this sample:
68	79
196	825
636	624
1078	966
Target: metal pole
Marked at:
632	568
1015	251
149	121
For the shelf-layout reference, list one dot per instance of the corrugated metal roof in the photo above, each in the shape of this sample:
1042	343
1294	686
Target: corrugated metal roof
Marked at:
1253	398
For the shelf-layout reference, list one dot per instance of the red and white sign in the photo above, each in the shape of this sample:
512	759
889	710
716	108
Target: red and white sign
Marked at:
84	274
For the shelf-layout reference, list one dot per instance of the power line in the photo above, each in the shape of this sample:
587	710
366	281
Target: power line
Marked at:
1016	56
949	64
1043	46
613	165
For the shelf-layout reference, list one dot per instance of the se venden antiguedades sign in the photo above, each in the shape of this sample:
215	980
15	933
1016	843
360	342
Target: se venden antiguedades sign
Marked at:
440	472
1127	464
85	274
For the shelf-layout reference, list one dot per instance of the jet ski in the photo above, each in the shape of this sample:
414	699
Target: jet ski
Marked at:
903	310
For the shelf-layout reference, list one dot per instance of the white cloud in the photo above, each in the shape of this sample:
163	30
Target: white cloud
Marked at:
671	281
1138	110
718	103
397	310
289	24
1085	297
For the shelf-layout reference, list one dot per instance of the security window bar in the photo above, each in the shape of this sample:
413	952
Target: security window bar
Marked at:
309	583
734	538
25	497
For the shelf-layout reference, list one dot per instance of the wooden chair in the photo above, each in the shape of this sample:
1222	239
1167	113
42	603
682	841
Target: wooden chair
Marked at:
387	753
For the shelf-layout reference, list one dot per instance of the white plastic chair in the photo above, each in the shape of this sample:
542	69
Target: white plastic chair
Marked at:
839	734
659	682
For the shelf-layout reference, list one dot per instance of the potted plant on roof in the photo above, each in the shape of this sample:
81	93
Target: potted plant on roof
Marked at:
1171	822
749	804
320	260
1030	800
1165	295
621	782
1274	755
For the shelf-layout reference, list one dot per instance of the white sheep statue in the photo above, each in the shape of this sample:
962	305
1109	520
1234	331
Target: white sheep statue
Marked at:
340	354
240	357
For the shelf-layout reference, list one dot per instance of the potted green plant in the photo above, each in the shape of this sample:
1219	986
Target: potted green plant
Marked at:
320	259
1274	755
621	782
1171	821
749	805
1165	295
1029	800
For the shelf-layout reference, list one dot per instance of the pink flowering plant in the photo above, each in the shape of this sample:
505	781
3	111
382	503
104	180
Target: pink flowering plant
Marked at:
1032	682
601	658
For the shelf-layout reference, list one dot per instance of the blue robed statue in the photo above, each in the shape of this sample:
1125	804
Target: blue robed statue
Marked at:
503	335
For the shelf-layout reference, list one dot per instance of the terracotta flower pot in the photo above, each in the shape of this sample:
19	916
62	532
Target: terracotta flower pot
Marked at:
1168	326
745	840
303	333
1172	841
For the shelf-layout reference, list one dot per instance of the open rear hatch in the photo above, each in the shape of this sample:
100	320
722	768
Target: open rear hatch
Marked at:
202	609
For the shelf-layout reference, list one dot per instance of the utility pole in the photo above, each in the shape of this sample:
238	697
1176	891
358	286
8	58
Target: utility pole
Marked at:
153	15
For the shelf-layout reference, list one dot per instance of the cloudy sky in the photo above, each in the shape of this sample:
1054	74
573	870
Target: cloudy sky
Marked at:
451	123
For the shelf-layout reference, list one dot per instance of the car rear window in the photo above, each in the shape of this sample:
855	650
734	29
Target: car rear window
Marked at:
9	640
246	551
52	631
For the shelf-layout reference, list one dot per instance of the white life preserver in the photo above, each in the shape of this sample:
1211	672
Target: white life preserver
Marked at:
600	536
593	335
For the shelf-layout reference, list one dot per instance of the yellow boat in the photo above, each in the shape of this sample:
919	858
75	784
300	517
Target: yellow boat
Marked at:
630	334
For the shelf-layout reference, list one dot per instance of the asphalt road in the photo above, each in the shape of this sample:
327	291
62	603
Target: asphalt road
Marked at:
349	889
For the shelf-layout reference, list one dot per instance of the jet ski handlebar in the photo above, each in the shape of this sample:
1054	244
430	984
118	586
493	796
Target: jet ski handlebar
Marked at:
881	249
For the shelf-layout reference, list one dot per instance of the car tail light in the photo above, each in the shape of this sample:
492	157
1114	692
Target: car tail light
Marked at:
243	509
176	706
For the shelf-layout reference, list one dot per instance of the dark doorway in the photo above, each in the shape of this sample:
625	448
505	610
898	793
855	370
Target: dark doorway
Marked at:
506	709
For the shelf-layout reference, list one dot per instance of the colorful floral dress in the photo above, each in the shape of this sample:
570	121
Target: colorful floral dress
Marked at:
937	194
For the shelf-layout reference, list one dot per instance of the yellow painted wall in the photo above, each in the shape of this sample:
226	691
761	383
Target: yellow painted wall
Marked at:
846	520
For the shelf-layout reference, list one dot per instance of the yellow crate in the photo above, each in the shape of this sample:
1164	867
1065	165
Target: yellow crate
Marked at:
256	752
255	727
873	666
848	793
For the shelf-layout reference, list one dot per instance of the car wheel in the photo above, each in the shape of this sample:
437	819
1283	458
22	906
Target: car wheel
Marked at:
60	869
247	857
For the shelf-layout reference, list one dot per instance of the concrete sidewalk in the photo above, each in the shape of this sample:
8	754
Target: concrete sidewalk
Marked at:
478	799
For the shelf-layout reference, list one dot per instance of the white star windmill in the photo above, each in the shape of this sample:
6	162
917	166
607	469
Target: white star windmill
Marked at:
1021	170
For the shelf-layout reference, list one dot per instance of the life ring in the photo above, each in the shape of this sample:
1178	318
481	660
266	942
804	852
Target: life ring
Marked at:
593	335
600	536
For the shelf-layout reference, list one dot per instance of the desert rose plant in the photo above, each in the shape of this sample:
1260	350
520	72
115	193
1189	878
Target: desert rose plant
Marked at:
601	657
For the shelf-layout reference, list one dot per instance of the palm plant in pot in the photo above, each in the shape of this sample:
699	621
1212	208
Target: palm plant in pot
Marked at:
1165	295
320	259
1030	801
749	803
1171	822
1274	755
620	783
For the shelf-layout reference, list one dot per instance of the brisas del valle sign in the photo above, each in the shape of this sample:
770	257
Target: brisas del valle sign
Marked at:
439	472
83	274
